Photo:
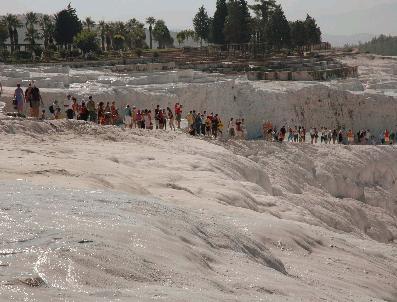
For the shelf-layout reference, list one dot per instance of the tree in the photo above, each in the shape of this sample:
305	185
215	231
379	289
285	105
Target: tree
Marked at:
87	41
89	23
201	24
119	28
245	22
102	33
186	34
278	29
162	34
15	37
298	33
232	23
136	34
12	23
31	19
382	45
119	42
67	25
4	34
181	37
151	21
47	29
237	24
217	34
32	33
313	32
263	10
109	31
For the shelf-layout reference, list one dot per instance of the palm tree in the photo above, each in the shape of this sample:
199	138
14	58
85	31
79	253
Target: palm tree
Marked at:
32	35
102	31
120	27
89	23
47	27
31	32
109	31
135	35
12	23
31	19
151	21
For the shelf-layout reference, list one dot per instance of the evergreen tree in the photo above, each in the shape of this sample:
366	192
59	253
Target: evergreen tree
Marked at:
237	24
233	22
278	29
263	10
382	45
313	32
201	24
136	34
162	34
67	25
245	22
217	34
298	33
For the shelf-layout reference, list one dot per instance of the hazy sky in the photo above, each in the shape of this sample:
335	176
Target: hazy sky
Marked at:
178	13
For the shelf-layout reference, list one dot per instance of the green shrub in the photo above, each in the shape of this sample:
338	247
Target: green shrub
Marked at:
138	52
119	41
87	41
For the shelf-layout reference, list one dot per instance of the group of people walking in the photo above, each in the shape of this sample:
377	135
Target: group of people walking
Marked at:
135	118
324	135
87	111
30	99
198	123
108	114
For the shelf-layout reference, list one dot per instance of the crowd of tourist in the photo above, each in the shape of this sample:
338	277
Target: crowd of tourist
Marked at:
198	123
323	135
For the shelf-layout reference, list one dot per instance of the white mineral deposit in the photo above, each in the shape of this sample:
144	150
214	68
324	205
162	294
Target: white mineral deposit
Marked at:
92	213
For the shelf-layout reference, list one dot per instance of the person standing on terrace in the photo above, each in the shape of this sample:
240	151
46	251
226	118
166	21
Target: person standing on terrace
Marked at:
19	99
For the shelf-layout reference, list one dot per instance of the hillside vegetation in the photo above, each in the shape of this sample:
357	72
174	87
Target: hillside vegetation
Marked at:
382	45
